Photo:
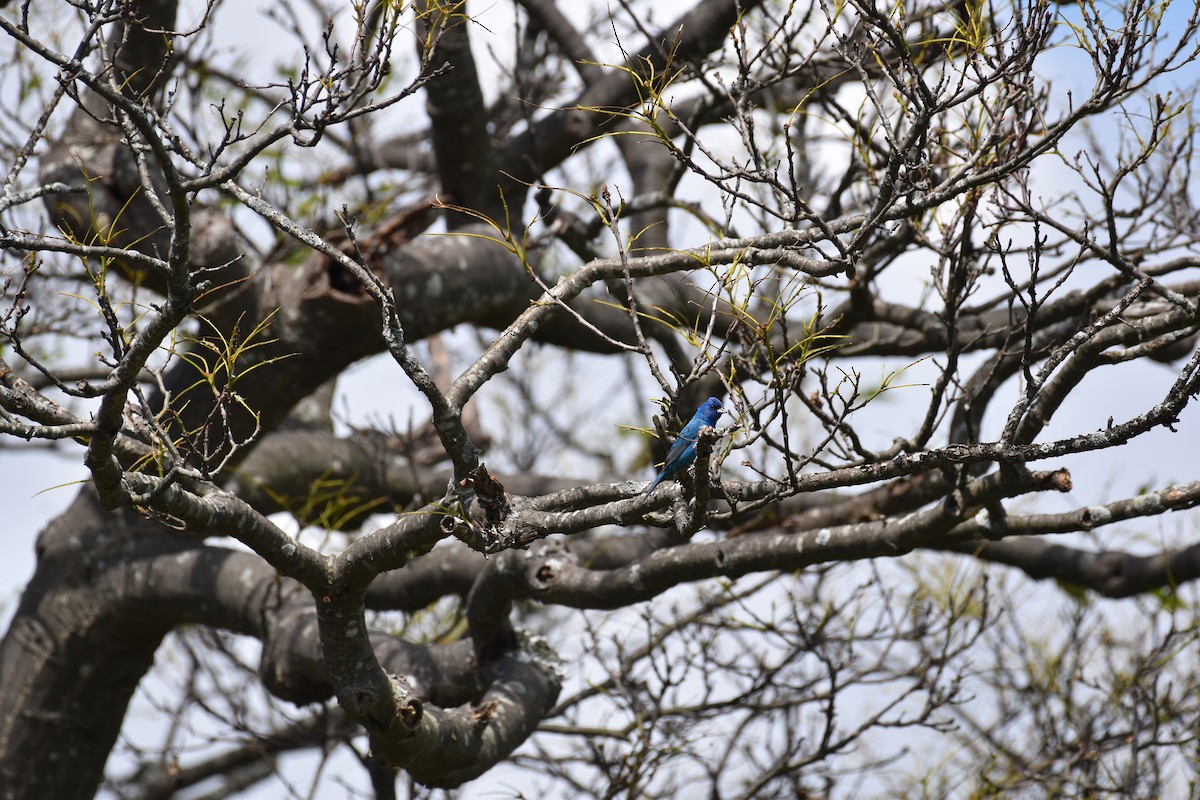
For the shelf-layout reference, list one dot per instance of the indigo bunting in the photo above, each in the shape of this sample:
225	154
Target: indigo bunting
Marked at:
683	449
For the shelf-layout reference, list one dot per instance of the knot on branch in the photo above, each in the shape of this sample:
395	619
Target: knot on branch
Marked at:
482	535
545	565
1058	481
409	712
490	493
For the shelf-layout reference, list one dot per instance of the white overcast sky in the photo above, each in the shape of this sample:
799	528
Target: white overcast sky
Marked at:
30	498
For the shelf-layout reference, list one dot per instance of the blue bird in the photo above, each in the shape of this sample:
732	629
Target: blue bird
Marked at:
683	449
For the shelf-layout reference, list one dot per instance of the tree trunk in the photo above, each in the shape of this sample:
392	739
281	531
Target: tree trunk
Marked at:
74	654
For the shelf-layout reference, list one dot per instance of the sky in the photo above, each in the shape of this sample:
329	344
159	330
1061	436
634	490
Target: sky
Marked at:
39	482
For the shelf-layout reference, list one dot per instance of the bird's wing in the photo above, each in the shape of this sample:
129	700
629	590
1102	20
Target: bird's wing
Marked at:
686	438
677	448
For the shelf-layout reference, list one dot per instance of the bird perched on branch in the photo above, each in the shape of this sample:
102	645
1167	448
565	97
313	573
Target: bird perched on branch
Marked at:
683	449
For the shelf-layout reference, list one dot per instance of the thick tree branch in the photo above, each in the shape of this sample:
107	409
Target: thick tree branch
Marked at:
458	117
528	155
1109	573
555	580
